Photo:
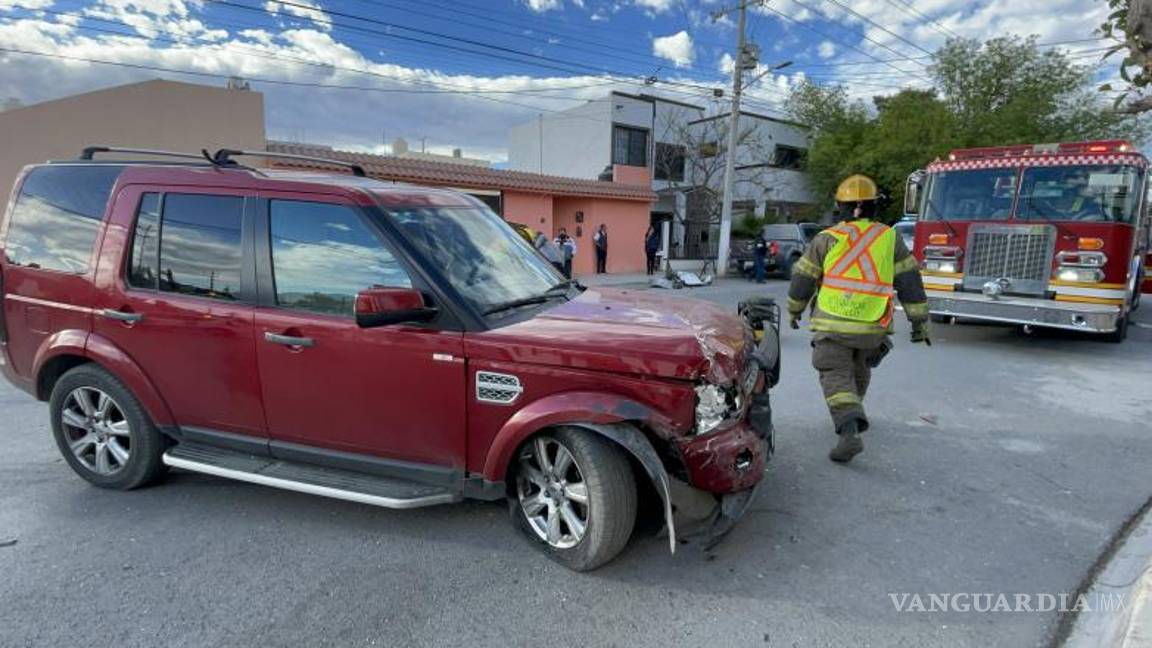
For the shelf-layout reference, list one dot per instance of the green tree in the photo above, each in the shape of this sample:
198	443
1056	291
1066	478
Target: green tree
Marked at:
1004	91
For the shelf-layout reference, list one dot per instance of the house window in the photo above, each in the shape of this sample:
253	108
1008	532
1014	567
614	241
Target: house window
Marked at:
789	157
629	146
670	162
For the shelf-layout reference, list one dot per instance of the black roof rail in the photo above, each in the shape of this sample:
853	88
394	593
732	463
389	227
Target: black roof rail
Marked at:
90	152
223	157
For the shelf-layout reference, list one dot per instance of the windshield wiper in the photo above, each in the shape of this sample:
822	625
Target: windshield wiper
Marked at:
1035	211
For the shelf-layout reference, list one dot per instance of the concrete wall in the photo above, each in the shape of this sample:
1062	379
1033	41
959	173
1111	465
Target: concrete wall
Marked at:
154	114
533	210
576	143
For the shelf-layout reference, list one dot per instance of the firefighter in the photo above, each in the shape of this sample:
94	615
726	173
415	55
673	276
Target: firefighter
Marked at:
852	270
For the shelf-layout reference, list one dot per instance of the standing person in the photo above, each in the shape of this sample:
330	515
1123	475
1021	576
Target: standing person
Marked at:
567	245
760	257
651	246
600	240
852	269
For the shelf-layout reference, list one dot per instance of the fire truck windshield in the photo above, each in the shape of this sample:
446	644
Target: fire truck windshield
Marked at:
977	194
1100	193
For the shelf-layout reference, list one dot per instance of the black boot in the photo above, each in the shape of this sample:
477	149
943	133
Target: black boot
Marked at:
849	445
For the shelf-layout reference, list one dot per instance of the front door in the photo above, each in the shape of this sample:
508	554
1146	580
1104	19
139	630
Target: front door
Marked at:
181	305
396	392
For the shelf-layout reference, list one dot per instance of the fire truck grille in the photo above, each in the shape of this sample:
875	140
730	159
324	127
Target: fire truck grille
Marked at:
1018	254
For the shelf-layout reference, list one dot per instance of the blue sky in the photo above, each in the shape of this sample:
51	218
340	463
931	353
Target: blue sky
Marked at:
355	73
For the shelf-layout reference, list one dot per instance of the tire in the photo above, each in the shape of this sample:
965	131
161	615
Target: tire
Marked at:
1121	332
120	449
609	511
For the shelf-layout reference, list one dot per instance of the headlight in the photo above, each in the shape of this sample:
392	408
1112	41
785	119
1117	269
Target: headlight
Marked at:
934	265
714	405
1082	275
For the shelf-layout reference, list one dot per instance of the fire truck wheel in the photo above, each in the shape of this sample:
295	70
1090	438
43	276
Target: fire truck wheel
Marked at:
1121	332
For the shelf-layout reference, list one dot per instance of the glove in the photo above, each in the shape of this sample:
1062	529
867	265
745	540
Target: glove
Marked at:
920	333
794	319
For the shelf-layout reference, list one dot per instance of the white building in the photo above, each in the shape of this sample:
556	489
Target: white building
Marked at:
682	148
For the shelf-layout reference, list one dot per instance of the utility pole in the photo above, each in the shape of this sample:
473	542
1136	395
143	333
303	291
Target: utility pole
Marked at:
738	64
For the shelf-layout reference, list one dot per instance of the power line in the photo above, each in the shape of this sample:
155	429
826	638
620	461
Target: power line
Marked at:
877	26
846	44
908	8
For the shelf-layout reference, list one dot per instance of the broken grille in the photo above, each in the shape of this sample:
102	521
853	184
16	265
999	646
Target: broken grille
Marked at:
1020	254
498	388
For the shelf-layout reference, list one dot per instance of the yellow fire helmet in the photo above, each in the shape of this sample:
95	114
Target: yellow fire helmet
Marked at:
856	188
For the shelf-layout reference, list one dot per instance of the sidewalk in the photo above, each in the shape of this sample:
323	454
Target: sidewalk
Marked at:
1128	575
613	280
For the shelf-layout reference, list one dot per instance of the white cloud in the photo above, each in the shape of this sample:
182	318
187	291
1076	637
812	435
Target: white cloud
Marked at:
29	5
726	64
598	16
540	6
310	11
826	49
655	6
677	48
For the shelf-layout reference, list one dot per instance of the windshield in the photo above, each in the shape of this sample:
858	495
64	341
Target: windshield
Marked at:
984	194
480	255
1106	193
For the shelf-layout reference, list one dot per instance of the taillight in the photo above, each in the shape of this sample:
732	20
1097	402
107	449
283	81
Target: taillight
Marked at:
1080	266
773	248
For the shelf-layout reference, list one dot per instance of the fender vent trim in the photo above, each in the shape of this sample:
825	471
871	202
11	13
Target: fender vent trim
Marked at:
497	388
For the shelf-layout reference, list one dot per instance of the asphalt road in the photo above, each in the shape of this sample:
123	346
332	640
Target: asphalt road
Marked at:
997	463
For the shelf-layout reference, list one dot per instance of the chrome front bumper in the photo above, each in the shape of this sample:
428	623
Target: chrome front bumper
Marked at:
1073	316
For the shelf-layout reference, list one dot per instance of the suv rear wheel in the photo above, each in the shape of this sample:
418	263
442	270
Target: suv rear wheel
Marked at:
103	432
575	497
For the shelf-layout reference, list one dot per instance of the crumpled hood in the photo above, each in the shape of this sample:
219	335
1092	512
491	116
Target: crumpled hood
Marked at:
625	331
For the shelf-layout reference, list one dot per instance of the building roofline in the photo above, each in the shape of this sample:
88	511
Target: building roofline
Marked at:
447	174
654	98
745	113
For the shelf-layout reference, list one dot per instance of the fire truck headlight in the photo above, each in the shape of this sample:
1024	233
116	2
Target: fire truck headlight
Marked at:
936	265
1081	275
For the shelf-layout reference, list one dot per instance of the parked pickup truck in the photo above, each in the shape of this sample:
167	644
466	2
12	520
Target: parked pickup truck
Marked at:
385	344
786	243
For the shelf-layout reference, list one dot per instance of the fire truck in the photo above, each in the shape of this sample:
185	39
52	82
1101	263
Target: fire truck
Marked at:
1045	235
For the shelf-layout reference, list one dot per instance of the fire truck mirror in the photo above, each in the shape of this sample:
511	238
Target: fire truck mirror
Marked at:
912	193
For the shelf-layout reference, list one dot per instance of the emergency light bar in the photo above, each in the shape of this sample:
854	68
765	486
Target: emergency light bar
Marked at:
1034	150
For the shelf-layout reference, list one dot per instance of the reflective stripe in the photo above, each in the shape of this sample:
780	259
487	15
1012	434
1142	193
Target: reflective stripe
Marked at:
916	310
797	305
807	268
904	265
858	286
842	398
859	248
826	325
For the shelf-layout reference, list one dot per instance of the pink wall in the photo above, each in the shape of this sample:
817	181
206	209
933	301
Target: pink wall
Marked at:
533	210
631	175
627	222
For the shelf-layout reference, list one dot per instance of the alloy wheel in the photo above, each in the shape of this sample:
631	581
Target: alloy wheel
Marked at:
553	493
96	430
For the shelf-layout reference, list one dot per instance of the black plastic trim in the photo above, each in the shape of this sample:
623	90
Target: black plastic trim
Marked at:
481	489
417	472
256	445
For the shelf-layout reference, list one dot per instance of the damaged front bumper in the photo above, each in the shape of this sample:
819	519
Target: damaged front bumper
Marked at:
726	471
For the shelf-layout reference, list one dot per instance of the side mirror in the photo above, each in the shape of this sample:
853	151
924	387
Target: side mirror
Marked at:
384	306
912	193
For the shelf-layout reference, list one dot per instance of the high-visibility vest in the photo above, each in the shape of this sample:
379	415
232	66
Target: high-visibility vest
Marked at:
857	282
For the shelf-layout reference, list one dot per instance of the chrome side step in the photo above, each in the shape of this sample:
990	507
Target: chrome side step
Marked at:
306	478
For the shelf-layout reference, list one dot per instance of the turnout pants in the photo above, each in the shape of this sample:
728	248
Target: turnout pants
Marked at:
845	372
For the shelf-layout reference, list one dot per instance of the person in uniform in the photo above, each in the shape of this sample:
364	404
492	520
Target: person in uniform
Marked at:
852	270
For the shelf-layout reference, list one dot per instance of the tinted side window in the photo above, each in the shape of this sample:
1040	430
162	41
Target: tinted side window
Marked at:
200	252
144	262
323	254
57	216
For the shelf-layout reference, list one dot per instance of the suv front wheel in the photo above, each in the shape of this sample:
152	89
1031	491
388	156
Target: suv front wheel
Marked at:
575	497
103	432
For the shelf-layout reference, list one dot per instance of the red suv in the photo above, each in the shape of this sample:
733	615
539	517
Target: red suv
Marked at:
385	344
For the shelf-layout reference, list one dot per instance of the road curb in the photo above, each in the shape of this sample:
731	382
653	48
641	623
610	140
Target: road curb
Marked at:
1125	569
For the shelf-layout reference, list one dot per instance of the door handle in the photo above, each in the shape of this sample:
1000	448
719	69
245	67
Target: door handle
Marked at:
121	316
289	340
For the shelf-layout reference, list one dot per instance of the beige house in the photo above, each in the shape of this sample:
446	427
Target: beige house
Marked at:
166	115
